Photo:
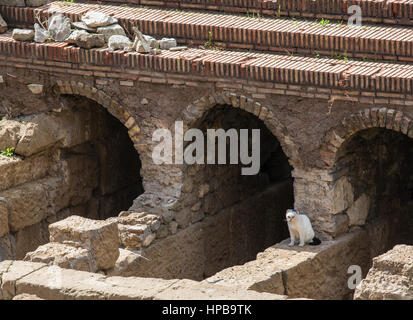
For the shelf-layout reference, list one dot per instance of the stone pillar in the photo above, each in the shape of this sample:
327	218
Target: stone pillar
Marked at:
324	196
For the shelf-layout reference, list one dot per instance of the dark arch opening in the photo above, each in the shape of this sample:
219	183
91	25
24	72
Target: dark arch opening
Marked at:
378	164
76	159
242	214
114	163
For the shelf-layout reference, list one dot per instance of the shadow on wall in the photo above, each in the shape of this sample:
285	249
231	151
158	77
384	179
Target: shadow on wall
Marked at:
74	160
378	166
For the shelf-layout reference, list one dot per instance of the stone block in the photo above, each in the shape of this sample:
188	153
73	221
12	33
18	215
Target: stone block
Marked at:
133	236
113	30
64	256
59	27
10	272
89	41
390	278
193	290
29	203
17	171
30	237
95	19
100	237
140	218
167	43
22	34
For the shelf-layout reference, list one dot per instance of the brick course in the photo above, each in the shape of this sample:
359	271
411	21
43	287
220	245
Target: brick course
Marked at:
241	32
392	11
220	67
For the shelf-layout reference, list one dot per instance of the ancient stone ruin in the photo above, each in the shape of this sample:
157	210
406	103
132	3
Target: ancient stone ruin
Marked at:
86	212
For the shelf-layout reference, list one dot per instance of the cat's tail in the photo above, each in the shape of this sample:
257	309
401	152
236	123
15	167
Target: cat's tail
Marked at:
315	242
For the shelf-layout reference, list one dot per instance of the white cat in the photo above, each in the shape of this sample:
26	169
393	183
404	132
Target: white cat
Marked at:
300	227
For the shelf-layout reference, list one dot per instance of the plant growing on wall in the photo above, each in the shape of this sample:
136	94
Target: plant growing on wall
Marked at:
323	22
210	43
8	152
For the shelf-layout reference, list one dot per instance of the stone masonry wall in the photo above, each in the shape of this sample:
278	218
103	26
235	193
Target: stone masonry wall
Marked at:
72	160
302	123
377	177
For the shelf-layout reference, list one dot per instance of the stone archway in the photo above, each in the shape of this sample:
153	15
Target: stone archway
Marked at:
113	107
368	118
367	179
240	215
195	111
75	159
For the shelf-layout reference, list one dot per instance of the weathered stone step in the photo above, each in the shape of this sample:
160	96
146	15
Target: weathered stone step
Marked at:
272	69
278	35
392	11
18	277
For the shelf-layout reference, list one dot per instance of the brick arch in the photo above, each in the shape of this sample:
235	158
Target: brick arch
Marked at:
198	109
368	118
113	107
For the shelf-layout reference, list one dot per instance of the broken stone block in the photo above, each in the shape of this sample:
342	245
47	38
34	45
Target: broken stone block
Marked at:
141	47
23	34
64	256
89	41
167	43
13	271
3	25
74	36
178	48
119	42
133	236
126	264
112	30
96	19
390	278
99	237
35	88
10	133
27	203
139	218
41	35
37	132
59	27
79	25
153	43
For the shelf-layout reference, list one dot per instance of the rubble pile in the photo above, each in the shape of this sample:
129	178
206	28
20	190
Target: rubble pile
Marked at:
95	30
